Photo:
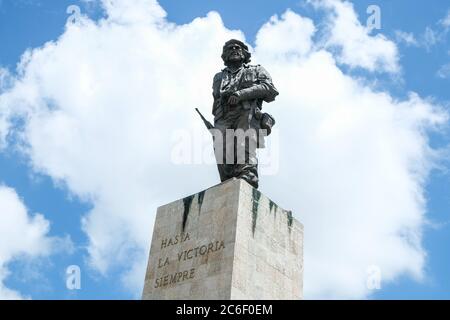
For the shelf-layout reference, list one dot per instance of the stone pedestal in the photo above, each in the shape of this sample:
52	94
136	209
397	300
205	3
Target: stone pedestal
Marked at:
227	242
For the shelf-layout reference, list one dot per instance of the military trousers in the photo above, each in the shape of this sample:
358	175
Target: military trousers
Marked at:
235	145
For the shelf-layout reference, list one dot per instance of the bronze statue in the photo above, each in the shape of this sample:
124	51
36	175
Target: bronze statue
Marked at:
240	126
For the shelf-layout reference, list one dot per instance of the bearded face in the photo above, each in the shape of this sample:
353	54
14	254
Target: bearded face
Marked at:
233	54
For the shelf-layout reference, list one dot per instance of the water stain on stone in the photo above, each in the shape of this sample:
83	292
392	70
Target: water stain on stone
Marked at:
201	195
273	205
289	219
256	195
187	207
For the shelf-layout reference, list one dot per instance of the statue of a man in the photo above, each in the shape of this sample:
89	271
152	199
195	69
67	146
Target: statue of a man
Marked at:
239	91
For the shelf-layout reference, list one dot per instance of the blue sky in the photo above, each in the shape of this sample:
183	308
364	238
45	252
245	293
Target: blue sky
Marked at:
31	23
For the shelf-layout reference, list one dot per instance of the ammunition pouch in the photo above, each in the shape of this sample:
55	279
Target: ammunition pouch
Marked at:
266	121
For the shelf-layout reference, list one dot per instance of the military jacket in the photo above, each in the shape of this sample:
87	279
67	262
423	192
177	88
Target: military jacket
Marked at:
251	83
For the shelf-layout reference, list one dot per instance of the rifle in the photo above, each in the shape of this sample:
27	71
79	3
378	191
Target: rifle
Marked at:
208	124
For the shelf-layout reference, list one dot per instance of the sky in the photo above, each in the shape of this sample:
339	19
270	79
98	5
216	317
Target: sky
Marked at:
97	130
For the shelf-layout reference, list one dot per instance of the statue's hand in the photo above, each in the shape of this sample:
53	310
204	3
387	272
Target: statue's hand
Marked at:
233	100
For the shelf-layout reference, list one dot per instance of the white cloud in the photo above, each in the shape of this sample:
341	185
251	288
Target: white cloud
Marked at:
5	79
445	22
133	11
407	37
426	40
444	71
102	103
271	40
357	48
21	235
429	38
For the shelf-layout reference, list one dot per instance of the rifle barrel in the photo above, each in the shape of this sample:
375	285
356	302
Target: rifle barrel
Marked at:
207	123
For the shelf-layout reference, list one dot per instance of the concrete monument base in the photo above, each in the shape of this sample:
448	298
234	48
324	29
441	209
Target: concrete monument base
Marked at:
227	242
